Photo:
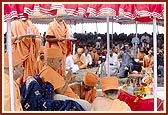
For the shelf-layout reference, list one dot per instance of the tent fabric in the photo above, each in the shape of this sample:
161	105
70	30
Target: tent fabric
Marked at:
131	11
16	10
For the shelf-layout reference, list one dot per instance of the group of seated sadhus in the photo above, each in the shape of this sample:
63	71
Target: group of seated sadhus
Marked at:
82	95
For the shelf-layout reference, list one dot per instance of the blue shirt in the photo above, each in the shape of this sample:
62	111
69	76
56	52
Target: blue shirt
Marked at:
125	58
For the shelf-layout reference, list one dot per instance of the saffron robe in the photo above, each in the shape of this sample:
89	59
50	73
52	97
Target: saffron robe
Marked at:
148	61
47	74
38	96
83	63
60	31
95	57
88	95
7	97
27	46
106	104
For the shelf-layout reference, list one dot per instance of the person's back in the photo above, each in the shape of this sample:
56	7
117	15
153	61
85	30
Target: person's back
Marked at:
109	101
107	104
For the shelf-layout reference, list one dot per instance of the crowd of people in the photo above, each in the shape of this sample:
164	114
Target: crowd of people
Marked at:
43	69
123	53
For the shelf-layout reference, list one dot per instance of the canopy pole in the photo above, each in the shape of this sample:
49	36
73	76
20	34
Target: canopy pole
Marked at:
71	36
112	30
136	28
135	45
96	27
82	26
108	46
9	49
75	25
155	63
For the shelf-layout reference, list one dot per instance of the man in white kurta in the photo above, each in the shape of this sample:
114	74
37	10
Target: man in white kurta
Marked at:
135	41
70	64
145	36
113	63
88	57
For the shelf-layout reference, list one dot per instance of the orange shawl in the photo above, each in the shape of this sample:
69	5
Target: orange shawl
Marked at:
17	97
27	47
50	75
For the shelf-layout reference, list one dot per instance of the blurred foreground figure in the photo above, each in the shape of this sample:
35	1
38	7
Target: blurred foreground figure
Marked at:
109	101
86	89
17	73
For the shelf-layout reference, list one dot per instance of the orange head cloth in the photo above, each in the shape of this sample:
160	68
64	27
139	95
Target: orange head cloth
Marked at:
79	50
90	79
108	83
15	60
54	53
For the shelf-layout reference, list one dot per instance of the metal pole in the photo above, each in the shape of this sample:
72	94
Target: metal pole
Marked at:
9	49
74	45
82	26
136	28
135	45
73	42
112	29
96	27
155	64
108	46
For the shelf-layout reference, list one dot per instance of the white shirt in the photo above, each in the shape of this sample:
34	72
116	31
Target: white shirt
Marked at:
88	58
145	37
97	44
70	63
135	40
113	60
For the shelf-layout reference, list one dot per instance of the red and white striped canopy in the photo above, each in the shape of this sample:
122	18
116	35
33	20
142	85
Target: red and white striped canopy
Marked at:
139	12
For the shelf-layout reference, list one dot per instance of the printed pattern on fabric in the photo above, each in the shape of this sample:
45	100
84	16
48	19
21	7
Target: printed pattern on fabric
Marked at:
38	96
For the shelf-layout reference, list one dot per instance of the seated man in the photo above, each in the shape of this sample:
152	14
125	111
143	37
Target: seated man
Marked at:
140	54
127	56
160	63
86	89
88	58
113	63
38	96
79	59
148	61
95	57
70	64
49	73
109	101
